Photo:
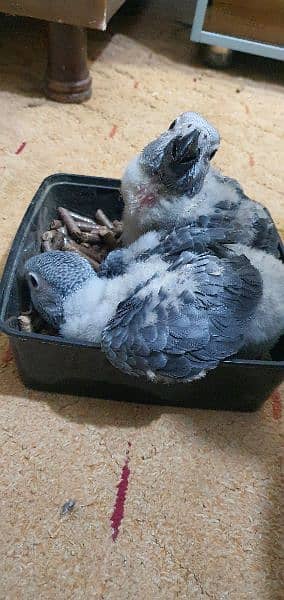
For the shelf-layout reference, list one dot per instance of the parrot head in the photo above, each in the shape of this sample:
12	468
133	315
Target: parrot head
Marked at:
51	277
179	158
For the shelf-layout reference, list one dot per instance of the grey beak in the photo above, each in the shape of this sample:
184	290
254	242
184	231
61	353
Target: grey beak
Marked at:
182	150
185	148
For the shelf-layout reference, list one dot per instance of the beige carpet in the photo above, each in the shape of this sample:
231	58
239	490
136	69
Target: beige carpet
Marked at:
202	508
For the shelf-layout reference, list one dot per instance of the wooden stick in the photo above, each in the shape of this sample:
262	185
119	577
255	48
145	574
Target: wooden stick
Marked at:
63	230
118	228
71	225
87	227
81	218
93	252
103	219
73	247
55	224
90	238
52	240
25	323
108	238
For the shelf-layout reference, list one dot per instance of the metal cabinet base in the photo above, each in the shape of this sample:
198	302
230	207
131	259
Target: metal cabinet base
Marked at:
198	34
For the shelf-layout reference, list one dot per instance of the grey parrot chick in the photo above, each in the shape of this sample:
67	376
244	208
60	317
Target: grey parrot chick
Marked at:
51	280
170	315
171	183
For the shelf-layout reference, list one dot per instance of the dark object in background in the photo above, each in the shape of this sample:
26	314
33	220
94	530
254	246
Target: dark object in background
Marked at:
68	78
50	363
254	27
67	508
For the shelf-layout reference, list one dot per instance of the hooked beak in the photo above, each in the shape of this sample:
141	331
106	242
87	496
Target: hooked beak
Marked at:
183	151
185	148
179	160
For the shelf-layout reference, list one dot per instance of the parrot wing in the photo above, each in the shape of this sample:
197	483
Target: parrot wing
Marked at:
179	332
241	210
196	237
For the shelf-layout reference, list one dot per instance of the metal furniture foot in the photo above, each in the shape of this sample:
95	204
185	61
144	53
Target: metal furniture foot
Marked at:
217	57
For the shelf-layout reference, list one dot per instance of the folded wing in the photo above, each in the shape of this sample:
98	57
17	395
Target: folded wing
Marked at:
181	324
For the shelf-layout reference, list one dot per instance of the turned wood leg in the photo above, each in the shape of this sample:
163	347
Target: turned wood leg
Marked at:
67	78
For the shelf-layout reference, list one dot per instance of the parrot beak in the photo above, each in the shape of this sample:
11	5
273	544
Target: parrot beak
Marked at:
185	148
183	151
179	158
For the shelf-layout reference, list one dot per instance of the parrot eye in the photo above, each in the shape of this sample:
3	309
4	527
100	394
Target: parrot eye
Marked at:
33	280
172	125
212	154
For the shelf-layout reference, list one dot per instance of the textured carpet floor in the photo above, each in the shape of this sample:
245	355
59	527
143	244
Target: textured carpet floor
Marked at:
202	508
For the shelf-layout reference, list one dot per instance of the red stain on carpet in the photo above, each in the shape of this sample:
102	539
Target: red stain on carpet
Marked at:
136	84
7	356
251	161
276	405
118	511
247	109
21	148
113	131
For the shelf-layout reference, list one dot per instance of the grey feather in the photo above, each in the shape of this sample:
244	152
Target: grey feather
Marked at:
193	237
195	335
171	183
173	314
114	264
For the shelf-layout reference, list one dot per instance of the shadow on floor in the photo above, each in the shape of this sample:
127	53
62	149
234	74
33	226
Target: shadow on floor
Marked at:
23	41
163	33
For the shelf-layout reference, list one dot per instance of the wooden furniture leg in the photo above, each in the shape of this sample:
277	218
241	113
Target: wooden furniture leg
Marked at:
67	78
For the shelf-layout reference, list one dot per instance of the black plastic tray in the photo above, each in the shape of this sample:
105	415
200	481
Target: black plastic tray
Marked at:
54	364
